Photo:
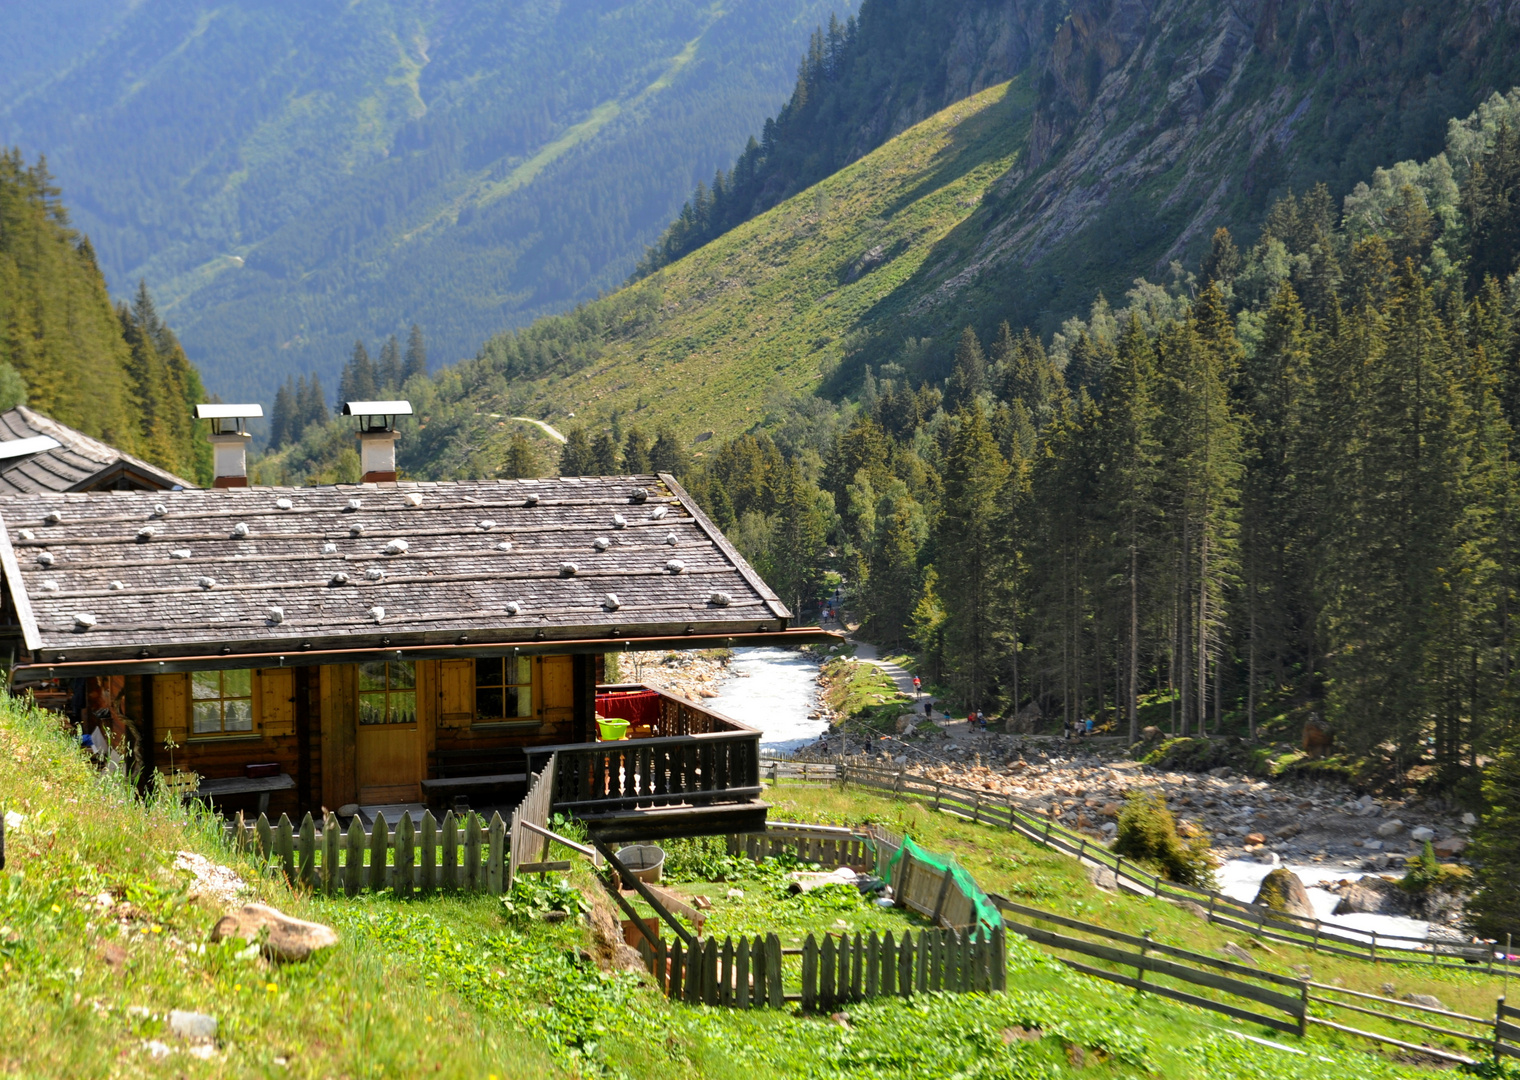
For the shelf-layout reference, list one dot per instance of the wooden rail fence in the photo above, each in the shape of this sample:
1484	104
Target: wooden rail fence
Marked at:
811	843
1257	920
753	973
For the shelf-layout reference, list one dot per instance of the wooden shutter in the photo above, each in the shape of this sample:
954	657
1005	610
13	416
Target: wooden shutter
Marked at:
274	698
171	710
456	693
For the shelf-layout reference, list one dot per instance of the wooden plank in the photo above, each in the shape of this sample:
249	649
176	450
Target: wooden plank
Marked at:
353	871
1416	1047
1184	997
429	861
677	970
379	848
809	974
307	849
472	831
27	619
710	972
888	985
1403	1020
921	961
857	988
285	848
773	985
828	966
741	975
905	966
332	842
449	871
872	986
495	868
726	973
403	863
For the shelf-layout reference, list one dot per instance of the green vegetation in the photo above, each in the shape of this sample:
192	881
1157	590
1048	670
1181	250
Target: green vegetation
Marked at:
119	375
1148	834
864	695
1428	872
453	986
291	178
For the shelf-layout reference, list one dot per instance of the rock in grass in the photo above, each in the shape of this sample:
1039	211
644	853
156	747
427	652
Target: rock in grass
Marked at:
192	1026
1281	890
1426	1000
1235	952
279	936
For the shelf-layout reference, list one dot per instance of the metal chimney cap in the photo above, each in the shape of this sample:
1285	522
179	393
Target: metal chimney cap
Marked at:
227	412
377	408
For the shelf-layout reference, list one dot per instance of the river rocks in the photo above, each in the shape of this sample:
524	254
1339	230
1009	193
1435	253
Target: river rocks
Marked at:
1255	839
279	936
1422	834
1373	896
1281	890
905	723
1450	847
1469	818
1390	828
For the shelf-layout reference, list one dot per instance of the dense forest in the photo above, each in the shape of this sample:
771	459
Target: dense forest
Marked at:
117	373
1287	477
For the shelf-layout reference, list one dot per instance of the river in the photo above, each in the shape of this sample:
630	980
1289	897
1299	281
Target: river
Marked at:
773	690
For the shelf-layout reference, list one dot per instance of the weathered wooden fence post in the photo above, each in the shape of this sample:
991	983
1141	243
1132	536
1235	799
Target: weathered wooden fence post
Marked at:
353	870
495	875
809	974
773	984
472	852
307	848
429	852
332	840
379	845
285	847
450	871
405	834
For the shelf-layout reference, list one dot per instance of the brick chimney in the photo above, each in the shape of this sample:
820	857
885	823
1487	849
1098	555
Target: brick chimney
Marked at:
229	441
377	437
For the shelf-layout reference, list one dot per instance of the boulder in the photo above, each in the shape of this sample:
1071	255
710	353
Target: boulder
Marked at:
905	723
1235	952
279	936
1374	896
1450	847
1281	890
1255	839
1221	772
1150	734
1317	738
1391	827
1422	834
1427	1000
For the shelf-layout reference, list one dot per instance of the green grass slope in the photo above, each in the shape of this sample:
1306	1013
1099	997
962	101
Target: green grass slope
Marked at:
774	305
101	936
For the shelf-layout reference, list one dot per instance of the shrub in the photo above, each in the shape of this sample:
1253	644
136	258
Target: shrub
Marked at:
1427	872
1148	834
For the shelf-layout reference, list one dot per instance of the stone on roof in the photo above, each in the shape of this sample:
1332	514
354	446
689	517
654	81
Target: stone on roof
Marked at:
200	571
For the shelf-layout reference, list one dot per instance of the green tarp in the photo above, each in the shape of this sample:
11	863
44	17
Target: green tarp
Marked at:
987	914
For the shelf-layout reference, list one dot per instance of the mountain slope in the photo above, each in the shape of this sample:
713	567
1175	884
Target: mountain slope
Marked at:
776	304
1157	121
290	177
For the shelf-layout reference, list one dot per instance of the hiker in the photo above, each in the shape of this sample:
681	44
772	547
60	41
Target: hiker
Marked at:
1089	726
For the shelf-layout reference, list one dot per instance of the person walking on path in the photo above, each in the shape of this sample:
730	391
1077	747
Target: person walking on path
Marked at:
917	686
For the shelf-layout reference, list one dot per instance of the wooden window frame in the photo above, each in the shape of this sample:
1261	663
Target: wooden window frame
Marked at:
388	693
529	719
255	728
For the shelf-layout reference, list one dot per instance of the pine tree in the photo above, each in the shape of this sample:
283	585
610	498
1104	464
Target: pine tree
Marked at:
520	459
970	554
358	380
388	375
576	457
416	355
283	421
604	455
636	452
666	456
970	375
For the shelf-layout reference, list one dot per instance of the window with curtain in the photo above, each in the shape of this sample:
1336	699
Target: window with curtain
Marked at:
503	689
221	703
388	692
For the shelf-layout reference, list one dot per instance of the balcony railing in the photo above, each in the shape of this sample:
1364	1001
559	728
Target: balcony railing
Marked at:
682	756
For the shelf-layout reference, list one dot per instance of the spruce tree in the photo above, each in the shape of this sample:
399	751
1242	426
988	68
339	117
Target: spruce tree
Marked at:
969	377
416	355
283	421
666	455
636	452
604	455
970	549
358	380
388	375
576	457
520	459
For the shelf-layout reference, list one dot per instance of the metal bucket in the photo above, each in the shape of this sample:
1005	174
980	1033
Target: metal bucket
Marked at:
643	861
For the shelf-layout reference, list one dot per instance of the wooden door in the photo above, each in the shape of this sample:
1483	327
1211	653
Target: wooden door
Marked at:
389	744
390	763
556	691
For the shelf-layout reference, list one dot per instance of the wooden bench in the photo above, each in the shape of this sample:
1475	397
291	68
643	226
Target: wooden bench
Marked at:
500	773
262	786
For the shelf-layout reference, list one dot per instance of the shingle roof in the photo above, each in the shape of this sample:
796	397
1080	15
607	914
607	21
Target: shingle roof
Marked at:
77	463
128	574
